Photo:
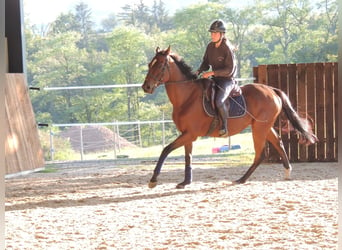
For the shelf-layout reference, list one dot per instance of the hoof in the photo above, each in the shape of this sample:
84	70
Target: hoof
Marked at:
152	184
288	174
182	185
237	182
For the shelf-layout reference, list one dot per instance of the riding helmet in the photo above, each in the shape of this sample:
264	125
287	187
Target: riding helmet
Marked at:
217	26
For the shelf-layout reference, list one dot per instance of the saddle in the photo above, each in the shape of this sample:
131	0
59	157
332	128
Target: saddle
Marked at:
237	103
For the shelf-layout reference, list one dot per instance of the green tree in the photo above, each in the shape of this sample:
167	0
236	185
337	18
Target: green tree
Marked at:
59	62
109	23
84	24
149	19
239	23
159	16
128	15
64	23
286	21
325	27
127	64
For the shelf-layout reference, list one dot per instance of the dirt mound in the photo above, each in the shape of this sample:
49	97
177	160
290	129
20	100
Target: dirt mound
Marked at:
95	138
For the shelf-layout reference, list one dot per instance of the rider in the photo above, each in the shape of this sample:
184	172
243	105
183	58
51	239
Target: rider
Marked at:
220	56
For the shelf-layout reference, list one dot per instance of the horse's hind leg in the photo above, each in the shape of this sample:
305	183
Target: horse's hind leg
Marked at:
259	139
276	141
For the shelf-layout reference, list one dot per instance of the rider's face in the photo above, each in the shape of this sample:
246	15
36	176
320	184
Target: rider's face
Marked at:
215	36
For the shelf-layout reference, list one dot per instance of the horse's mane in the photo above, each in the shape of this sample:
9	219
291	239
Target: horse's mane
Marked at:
186	69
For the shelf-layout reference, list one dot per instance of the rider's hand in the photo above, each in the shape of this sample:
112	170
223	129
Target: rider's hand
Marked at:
207	74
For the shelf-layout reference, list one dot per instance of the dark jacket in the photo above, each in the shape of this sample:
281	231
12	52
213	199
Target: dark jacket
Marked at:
221	59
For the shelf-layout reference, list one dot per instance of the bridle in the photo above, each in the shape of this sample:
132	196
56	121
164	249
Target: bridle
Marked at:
159	77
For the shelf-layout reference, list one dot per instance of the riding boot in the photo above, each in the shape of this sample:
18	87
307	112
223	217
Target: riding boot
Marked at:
223	113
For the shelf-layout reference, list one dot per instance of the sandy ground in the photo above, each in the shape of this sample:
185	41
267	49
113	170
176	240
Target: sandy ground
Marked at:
107	207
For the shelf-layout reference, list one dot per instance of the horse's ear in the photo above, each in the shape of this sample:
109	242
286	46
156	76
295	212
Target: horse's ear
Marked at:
157	50
168	50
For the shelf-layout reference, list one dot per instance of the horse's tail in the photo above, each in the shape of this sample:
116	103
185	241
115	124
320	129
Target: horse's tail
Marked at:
302	125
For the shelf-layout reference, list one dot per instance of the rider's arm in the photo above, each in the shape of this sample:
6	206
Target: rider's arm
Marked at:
229	69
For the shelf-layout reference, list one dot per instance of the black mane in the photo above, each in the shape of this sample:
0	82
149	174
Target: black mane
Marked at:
186	69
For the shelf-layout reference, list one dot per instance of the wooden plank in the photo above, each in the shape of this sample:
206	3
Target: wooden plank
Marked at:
329	114
336	109
255	74
320	111
311	106
22	147
262	74
12	144
273	75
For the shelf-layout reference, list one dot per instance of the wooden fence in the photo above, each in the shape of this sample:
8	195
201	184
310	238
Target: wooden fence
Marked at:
312	89
22	146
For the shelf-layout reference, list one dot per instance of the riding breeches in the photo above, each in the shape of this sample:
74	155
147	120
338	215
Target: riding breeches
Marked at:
223	88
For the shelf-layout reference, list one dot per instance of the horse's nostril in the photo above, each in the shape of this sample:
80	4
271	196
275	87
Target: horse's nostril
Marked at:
146	87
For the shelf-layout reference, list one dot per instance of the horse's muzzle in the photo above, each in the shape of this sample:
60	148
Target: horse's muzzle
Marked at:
147	88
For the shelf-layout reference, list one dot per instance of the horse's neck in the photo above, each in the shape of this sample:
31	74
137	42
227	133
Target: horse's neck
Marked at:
179	89
179	92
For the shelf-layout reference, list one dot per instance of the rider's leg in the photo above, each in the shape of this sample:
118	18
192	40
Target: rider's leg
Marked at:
223	90
223	113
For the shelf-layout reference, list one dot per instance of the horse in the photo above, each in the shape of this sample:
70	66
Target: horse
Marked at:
185	92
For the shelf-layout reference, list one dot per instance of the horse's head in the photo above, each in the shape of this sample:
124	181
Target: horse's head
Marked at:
158	70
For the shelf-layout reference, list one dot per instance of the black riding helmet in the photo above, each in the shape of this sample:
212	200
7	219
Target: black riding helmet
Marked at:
218	26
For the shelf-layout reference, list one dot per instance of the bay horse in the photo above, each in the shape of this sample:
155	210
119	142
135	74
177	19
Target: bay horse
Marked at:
263	104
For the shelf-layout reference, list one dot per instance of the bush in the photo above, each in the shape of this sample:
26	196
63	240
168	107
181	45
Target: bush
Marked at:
65	151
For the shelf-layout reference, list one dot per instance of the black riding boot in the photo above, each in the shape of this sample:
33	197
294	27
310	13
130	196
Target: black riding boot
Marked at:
223	113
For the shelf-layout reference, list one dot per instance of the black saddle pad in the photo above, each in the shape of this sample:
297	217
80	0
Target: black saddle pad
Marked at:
237	106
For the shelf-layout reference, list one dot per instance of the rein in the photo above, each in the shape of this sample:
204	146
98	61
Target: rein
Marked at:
180	82
159	77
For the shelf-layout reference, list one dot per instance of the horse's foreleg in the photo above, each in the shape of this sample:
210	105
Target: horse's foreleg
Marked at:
180	141
188	169
276	141
169	148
